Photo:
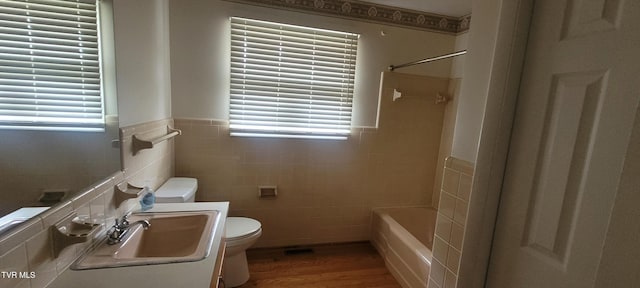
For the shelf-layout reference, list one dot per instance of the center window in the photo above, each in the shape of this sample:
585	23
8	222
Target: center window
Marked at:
290	81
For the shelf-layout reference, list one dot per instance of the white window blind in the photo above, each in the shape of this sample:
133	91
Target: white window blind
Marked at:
290	81
50	65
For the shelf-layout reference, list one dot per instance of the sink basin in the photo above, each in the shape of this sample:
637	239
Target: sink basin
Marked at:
172	237
176	236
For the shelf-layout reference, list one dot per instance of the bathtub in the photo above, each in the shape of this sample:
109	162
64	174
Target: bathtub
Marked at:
404	237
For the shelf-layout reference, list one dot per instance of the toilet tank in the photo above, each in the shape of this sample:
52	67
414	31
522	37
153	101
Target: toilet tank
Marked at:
177	190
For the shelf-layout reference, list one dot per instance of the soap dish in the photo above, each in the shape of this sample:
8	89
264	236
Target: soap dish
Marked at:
130	192
68	232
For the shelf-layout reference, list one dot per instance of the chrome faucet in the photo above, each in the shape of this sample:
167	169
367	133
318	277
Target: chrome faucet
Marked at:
121	227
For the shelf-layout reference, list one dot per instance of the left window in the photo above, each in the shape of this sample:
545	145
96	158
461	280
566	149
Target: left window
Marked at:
50	68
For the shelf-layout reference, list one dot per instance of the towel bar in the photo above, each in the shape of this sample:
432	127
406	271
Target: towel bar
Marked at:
139	144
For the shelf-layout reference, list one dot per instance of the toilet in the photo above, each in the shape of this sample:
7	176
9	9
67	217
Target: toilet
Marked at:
177	190
241	234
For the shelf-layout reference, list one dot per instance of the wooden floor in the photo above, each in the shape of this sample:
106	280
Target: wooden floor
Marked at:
338	265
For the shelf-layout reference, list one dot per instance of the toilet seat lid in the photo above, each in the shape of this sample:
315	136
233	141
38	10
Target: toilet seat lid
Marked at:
177	190
241	226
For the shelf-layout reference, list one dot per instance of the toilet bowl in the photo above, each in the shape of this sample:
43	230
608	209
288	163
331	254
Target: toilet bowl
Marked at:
241	233
177	190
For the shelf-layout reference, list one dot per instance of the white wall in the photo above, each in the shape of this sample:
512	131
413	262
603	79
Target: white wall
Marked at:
475	87
200	55
142	60
448	125
457	65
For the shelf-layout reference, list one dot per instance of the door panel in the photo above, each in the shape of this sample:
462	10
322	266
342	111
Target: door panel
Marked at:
575	110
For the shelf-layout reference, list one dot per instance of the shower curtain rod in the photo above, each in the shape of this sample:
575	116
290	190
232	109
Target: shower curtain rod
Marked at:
445	56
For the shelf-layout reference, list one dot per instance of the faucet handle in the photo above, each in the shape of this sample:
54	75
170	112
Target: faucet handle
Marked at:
124	221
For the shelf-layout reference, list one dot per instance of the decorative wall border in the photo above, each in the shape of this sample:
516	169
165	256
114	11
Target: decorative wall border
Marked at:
364	11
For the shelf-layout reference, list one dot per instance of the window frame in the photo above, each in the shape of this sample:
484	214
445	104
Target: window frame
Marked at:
97	120
275	69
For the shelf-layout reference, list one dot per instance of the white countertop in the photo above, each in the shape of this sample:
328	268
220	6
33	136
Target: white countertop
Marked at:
196	206
187	274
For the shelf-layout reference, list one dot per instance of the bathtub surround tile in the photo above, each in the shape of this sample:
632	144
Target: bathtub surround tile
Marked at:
440	249
447	205
450	181
459	165
453	259
450	280
438	272
460	213
457	231
461	173
464	187
443	228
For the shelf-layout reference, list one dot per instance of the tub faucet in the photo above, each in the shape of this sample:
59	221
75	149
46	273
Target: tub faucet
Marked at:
121	227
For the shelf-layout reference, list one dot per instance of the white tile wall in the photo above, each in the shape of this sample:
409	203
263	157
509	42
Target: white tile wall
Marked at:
28	249
15	260
457	232
447	205
30	246
443	228
450	223
40	259
437	273
392	165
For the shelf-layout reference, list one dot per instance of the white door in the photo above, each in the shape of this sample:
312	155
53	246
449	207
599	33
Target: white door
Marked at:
578	97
